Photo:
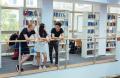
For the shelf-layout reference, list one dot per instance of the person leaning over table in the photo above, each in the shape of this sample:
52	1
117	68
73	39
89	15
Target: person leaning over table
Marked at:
25	35
56	33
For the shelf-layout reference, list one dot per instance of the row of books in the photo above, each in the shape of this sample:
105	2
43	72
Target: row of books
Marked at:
30	12
26	22
111	17
91	45
111	30
111	44
92	23
59	14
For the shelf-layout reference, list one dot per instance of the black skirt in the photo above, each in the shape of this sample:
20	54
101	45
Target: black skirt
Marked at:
24	48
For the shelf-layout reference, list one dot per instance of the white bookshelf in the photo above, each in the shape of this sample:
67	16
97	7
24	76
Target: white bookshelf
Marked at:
111	34
31	15
90	31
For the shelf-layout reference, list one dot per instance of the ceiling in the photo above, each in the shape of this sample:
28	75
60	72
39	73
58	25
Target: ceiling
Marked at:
91	1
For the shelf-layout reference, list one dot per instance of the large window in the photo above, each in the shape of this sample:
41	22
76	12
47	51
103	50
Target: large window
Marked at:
31	3
10	16
83	7
69	6
62	6
19	3
78	18
4	37
114	10
10	20
12	3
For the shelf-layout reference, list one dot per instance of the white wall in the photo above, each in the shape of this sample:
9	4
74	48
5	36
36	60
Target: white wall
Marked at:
47	14
102	29
102	10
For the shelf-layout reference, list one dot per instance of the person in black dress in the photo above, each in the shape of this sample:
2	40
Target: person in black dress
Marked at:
24	35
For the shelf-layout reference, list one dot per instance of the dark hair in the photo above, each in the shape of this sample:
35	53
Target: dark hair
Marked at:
42	31
58	23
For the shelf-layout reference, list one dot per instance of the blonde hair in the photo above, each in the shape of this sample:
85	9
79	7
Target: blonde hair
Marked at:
30	25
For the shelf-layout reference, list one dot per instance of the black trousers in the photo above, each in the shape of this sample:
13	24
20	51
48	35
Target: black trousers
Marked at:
53	44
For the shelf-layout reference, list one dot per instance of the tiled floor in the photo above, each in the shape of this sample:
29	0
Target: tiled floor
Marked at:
8	65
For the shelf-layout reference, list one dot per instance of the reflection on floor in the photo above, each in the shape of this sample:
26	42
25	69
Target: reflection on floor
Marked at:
116	76
8	65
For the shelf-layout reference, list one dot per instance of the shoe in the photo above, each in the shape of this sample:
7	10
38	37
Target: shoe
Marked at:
44	67
51	62
40	67
56	65
17	68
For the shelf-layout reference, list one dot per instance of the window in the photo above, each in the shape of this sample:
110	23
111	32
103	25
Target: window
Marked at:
10	20
19	3
114	10
10	17
12	3
4	37
62	6
31	3
83	7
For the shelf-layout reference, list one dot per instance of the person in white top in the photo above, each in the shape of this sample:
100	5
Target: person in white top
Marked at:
42	45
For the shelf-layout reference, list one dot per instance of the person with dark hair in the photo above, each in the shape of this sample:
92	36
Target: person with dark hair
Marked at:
12	45
56	33
41	47
24	35
13	37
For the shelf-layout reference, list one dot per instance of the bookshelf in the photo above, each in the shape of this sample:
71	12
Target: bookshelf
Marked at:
111	34
31	15
90	32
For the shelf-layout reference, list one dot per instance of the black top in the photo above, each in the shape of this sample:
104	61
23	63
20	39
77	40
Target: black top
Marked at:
25	31
57	34
13	37
43	35
21	36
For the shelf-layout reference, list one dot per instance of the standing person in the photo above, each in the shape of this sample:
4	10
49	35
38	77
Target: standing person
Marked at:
56	32
24	35
42	47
